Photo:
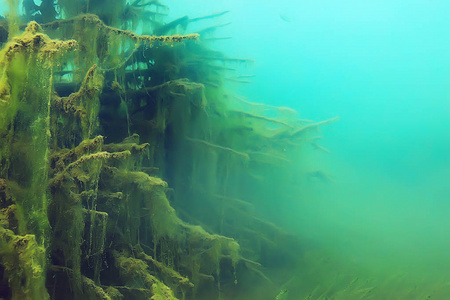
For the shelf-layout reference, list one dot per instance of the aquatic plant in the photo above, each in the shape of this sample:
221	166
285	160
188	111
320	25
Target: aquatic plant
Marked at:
127	170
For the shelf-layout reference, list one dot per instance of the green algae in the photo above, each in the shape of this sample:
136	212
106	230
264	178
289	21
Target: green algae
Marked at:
125	166
24	261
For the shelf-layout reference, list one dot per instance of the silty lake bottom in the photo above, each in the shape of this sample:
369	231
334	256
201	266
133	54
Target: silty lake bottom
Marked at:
224	149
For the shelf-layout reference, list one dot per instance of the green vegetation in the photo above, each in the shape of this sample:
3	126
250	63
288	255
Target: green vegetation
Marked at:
128	171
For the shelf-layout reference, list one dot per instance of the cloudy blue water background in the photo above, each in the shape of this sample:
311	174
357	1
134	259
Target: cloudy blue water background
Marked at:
383	67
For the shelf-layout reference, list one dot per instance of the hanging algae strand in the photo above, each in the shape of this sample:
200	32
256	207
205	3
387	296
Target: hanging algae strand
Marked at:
25	125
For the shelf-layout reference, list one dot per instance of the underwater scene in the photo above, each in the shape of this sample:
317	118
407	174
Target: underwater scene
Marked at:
232	150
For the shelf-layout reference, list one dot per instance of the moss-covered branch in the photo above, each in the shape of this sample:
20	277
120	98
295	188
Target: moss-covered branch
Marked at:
95	20
33	39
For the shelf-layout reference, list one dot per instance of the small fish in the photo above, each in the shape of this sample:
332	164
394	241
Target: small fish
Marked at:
285	18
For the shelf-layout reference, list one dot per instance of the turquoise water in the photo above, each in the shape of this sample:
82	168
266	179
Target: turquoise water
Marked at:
376	225
383	67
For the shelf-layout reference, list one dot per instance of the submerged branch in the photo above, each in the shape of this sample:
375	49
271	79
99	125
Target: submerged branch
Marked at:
250	115
71	103
210	16
137	3
228	59
95	20
184	21
277	108
237	80
251	267
268	158
212	28
98	156
217	38
218	147
311	126
319	147
235	201
32	38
